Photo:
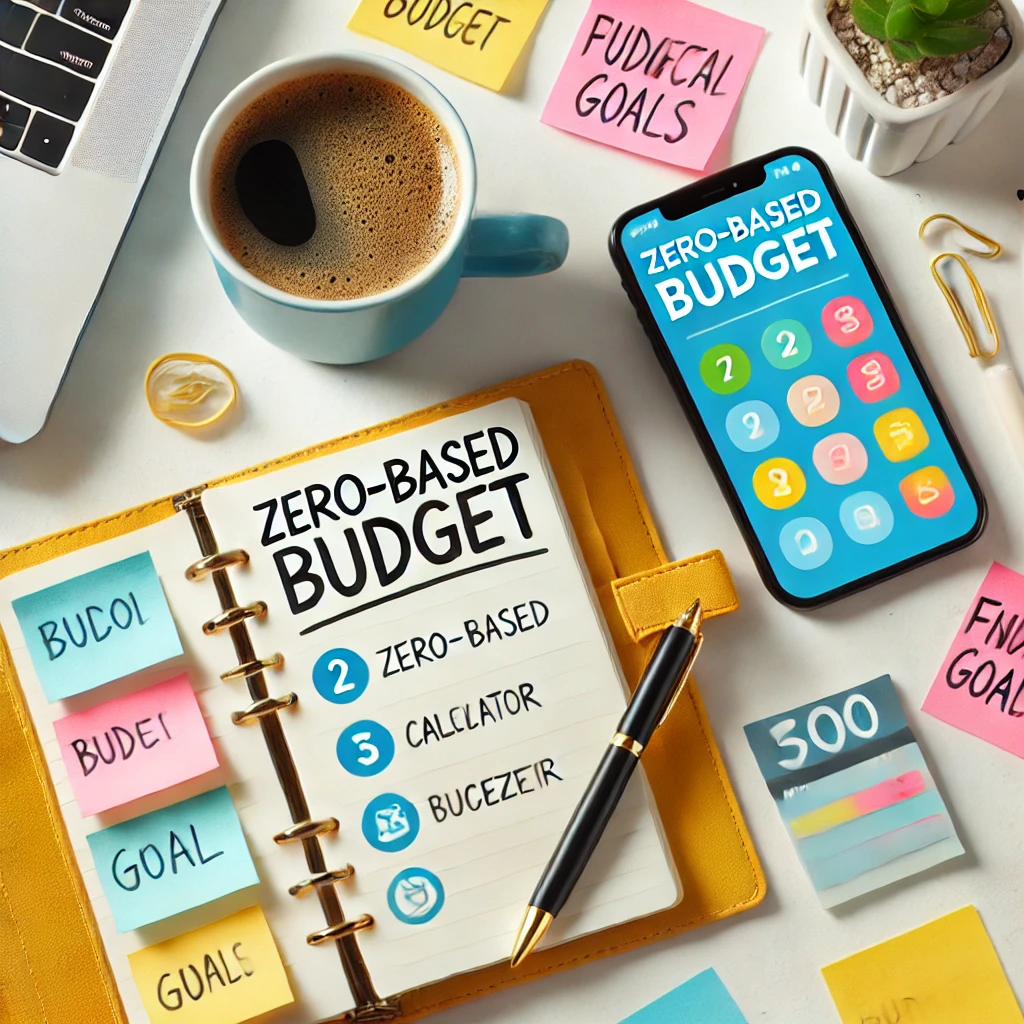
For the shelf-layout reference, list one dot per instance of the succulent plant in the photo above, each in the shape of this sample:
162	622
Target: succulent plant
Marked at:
912	29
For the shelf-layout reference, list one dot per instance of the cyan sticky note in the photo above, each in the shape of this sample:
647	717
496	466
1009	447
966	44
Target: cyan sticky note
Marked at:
701	1000
173	859
98	627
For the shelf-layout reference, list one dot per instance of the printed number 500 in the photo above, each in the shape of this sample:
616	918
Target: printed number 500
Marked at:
841	724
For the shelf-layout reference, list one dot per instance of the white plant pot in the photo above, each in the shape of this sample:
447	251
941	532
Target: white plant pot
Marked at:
886	138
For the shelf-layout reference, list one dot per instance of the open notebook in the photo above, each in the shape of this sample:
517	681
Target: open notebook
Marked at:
455	688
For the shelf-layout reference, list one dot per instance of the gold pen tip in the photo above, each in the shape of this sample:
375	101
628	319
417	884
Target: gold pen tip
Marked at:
692	617
531	931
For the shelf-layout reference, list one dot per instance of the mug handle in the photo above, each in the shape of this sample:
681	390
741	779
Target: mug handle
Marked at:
515	245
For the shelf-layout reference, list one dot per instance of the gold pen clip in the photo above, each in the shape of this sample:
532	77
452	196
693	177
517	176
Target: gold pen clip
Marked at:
682	682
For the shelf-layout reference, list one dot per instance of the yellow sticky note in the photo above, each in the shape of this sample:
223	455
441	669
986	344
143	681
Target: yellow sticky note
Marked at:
222	973
945	972
478	41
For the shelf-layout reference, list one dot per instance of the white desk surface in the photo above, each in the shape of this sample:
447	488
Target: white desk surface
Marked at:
102	451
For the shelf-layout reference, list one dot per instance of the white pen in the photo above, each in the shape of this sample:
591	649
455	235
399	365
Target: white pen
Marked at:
1005	388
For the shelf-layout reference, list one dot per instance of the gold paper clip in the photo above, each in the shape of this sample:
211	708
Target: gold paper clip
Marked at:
992	251
994	248
960	314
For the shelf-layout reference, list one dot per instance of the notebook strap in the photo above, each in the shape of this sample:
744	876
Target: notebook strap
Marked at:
650	600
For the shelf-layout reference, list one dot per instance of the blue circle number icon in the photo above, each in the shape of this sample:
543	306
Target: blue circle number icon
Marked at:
365	748
806	543
866	517
390	823
415	896
752	426
340	676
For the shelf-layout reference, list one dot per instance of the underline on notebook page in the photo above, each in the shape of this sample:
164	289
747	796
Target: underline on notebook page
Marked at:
767	305
421	586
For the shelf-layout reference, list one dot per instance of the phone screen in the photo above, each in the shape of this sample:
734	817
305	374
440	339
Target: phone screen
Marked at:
833	443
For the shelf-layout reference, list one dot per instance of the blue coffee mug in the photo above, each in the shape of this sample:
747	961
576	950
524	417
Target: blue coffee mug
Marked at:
357	330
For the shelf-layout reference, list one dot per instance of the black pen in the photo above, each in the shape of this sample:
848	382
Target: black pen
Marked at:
663	680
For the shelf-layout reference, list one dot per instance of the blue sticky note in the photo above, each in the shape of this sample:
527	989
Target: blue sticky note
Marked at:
701	1000
98	627
173	859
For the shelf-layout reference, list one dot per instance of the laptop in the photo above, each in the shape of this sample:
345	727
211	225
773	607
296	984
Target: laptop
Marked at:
87	91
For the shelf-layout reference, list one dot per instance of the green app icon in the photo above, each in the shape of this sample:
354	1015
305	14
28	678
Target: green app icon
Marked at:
786	344
725	369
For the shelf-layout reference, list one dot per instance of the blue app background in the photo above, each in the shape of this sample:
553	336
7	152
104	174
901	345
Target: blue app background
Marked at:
741	320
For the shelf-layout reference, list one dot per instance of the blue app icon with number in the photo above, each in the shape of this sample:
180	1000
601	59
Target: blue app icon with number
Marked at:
390	822
752	426
806	542
365	748
415	896
340	676
866	517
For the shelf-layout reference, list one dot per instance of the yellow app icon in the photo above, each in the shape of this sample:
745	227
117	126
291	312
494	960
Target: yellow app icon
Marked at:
900	434
779	483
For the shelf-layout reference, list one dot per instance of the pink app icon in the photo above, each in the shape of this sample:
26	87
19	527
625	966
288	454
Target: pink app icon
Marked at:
873	377
840	458
847	321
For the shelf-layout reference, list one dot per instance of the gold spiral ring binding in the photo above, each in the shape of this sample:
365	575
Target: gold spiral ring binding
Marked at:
211	563
340	931
233	616
267	706
251	668
306	830
327	877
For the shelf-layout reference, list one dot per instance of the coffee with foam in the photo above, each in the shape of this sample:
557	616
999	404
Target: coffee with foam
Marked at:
380	173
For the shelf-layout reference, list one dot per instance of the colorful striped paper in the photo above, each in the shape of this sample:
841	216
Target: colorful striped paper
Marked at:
854	791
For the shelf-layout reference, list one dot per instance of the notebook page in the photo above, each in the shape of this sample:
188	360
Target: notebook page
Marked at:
456	690
172	546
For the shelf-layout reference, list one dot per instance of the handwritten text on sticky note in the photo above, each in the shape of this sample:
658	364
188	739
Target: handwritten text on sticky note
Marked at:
223	973
980	687
658	79
135	745
476	41
170	860
701	1000
97	627
941	972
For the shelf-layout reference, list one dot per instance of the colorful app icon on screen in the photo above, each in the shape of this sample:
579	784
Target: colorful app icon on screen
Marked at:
873	377
813	400
866	517
847	321
752	426
786	344
725	369
900	434
840	458
928	492
779	483
806	543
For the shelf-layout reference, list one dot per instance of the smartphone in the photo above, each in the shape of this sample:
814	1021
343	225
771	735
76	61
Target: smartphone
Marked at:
772	322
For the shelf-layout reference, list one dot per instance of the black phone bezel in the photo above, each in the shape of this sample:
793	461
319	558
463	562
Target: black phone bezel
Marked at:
708	192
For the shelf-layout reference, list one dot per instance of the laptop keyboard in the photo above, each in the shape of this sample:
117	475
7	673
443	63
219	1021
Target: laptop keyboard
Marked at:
51	54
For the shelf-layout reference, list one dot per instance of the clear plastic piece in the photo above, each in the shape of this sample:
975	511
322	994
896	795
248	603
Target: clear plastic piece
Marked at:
189	390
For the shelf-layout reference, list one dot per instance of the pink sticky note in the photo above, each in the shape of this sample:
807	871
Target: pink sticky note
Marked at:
657	77
980	687
135	745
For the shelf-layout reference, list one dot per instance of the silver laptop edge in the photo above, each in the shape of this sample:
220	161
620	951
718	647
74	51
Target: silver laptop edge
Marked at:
61	227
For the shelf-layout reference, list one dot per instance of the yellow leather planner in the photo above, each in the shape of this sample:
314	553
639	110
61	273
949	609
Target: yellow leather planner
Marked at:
298	741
